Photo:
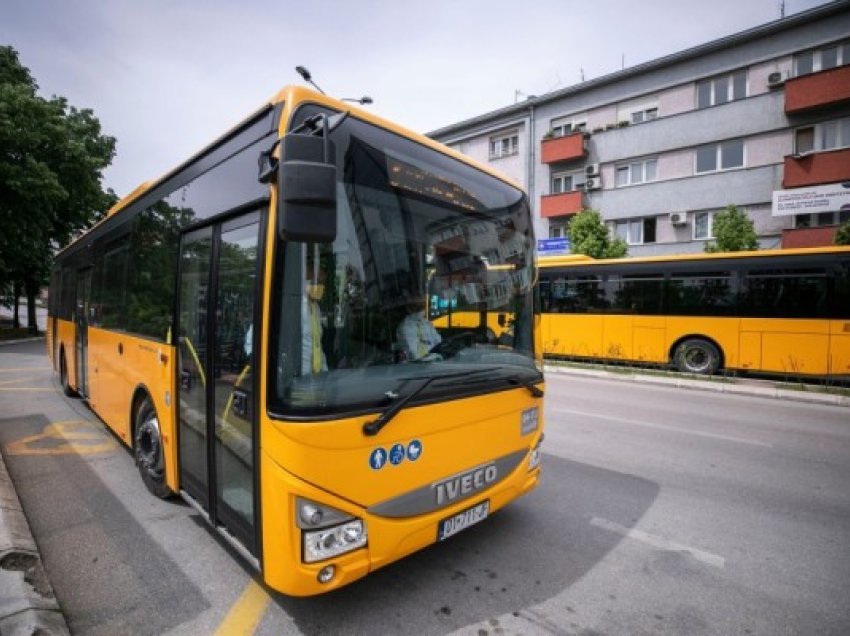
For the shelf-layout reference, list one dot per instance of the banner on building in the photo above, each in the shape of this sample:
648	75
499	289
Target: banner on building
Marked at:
553	246
826	198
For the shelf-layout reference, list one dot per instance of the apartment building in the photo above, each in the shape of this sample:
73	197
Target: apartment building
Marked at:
759	119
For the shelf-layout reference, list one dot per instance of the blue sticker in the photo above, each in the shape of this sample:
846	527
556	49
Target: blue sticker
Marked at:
396	454
414	450
378	459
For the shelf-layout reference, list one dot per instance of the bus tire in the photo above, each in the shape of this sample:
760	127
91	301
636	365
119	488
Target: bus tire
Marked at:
696	355
63	376
147	449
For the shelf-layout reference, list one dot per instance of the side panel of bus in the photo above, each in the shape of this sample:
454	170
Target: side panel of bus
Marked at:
791	346
839	347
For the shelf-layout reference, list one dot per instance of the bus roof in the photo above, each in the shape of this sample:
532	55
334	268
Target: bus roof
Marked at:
565	261
297	95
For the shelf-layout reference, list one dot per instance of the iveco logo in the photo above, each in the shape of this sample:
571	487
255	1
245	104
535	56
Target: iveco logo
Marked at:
465	483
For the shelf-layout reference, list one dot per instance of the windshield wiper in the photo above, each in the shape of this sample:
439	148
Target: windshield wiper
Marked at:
528	384
375	426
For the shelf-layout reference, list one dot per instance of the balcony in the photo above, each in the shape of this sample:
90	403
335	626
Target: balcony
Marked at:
816	168
566	148
824	88
809	237
561	204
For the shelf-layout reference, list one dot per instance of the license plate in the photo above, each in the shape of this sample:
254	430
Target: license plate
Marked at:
462	520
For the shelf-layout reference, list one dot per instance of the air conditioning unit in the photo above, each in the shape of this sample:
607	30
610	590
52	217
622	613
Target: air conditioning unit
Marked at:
594	183
777	79
592	170
678	218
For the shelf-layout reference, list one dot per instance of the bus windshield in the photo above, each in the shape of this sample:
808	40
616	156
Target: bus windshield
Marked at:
430	276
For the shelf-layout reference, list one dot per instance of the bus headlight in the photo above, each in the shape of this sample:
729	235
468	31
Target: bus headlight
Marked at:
327	532
330	542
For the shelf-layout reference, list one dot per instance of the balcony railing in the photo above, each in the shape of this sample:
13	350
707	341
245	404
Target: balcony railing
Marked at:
561	204
566	148
824	88
815	168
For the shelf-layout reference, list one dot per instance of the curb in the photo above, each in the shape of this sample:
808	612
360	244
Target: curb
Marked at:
20	340
28	606
769	391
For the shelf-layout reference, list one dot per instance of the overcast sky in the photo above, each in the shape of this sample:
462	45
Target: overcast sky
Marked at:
165	77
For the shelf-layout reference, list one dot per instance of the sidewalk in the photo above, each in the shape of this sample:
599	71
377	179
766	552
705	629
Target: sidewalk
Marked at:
28	606
738	386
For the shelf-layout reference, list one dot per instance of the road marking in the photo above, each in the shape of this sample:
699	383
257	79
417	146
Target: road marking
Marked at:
657	542
246	613
10	370
26	388
64	438
16	381
661	427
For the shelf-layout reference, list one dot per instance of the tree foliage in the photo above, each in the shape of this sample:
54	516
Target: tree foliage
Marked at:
733	232
51	160
842	236
588	235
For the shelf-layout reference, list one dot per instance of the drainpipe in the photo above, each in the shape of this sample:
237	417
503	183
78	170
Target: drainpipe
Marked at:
532	147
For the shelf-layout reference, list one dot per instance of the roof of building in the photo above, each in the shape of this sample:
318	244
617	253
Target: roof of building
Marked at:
763	30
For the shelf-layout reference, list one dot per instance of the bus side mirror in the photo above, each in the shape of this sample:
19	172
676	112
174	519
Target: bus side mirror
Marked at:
307	189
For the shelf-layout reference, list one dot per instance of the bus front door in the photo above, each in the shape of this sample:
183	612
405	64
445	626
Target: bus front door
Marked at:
81	317
219	274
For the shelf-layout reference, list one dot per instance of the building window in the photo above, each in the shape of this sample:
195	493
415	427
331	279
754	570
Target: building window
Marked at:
821	219
636	231
822	59
703	225
567	182
504	145
558	230
566	125
641	116
721	89
826	136
725	155
636	172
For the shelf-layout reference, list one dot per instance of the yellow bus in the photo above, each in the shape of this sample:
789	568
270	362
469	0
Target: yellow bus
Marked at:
236	324
773	311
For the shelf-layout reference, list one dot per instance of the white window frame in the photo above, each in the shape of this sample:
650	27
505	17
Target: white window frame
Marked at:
730	88
842	135
629	168
633	230
710	235
557	230
577	181
497	145
718	160
842	57
561	126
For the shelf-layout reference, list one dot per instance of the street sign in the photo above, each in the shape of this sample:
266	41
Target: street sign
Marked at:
553	246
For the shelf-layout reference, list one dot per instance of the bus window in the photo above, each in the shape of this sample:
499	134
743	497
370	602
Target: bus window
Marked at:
702	293
785	294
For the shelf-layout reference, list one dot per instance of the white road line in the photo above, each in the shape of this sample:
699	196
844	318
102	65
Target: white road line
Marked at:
657	542
661	427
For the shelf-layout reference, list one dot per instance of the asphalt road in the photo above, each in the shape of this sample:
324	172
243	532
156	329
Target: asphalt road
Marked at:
661	511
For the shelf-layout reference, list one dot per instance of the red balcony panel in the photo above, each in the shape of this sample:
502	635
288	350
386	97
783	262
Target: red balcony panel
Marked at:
824	88
816	168
809	237
564	148
561	204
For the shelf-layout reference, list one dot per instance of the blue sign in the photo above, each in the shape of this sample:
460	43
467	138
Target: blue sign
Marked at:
414	450
553	246
397	454
378	459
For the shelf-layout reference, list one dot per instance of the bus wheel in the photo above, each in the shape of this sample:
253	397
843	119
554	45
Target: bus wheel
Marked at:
147	447
696	355
63	376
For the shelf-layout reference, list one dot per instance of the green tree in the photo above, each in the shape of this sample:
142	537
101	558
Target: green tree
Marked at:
588	235
842	236
733	232
51	160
